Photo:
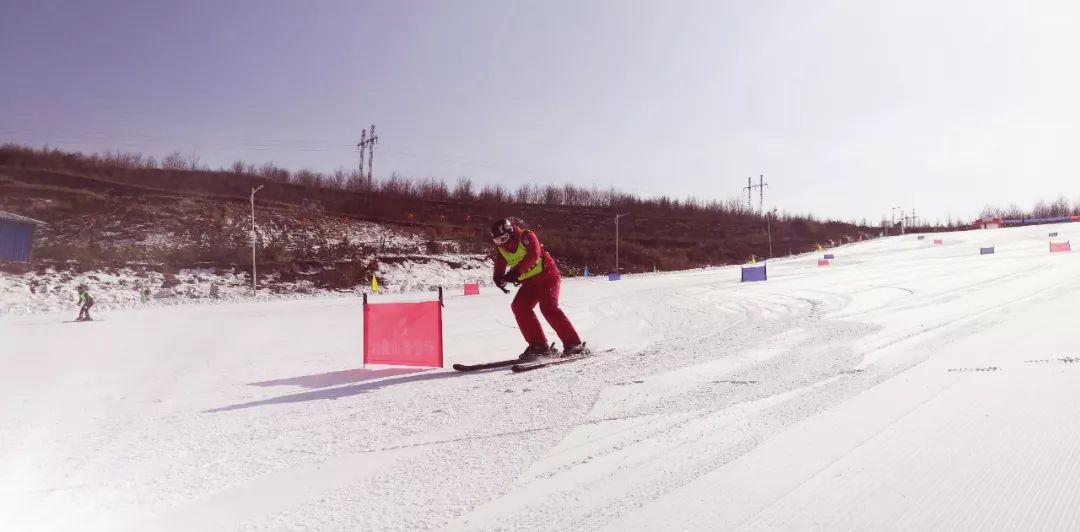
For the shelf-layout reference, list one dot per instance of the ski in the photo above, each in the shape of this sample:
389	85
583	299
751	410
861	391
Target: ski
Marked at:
487	365
504	363
529	366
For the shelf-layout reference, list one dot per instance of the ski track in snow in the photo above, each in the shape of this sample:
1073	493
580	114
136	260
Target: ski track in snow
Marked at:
835	398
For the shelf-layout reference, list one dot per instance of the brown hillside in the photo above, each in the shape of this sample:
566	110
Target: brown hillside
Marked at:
103	215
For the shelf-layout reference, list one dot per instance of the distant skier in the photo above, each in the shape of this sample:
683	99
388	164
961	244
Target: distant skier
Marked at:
522	259
85	302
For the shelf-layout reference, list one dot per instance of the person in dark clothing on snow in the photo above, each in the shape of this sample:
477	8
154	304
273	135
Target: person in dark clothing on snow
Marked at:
521	259
85	302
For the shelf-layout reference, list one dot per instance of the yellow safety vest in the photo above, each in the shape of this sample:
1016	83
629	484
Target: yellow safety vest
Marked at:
515	258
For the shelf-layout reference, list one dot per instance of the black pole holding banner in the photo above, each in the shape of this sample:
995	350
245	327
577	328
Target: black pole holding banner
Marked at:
441	304
366	322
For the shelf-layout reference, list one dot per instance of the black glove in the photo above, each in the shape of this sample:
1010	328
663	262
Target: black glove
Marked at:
511	276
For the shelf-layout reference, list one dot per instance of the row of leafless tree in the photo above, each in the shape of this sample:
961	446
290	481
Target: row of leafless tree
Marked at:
395	185
16	155
1042	209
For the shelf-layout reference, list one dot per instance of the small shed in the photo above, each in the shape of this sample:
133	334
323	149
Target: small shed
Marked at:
16	236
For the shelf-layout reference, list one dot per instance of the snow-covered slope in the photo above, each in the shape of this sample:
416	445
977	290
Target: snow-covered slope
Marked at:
906	386
54	291
188	251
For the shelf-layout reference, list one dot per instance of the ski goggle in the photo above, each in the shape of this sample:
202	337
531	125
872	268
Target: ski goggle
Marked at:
501	239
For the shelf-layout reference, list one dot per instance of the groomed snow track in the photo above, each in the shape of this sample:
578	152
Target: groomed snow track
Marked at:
854	397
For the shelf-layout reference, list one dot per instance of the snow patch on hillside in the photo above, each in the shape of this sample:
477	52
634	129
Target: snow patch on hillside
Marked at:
442	270
54	290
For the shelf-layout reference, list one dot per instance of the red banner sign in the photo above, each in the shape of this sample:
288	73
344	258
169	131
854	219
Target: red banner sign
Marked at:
1058	247
403	334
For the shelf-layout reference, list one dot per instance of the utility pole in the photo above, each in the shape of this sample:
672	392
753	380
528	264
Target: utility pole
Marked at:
254	286
768	225
367	141
617	216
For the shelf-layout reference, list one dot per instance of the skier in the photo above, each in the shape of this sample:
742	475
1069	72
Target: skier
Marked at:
86	302
521	259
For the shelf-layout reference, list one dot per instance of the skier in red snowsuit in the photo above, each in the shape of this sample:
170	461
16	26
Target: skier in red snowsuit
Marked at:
520	258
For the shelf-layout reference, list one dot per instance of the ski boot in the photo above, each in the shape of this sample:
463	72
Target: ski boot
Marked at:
574	350
534	352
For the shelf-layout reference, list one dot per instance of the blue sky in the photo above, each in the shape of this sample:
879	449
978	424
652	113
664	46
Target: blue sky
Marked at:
847	107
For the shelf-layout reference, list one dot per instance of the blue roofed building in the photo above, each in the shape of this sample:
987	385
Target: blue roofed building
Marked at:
16	237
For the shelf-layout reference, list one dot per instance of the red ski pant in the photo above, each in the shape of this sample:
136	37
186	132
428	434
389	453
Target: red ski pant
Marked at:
542	289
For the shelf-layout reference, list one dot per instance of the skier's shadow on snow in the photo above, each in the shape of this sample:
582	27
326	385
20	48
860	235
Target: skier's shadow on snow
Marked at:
335	378
343	391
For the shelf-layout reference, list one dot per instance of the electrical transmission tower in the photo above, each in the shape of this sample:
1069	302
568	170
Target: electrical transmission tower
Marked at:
749	188
360	146
369	143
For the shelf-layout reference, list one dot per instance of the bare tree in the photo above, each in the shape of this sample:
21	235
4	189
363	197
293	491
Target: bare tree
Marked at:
306	177
493	193
274	173
174	161
1013	212
192	161
1060	206
1041	209
523	194
553	195
338	180
463	190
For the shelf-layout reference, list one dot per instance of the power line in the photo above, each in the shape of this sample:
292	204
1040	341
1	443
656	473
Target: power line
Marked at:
161	139
323	146
129	141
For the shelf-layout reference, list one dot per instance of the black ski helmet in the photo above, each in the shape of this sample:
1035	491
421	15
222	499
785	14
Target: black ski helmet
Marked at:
502	227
